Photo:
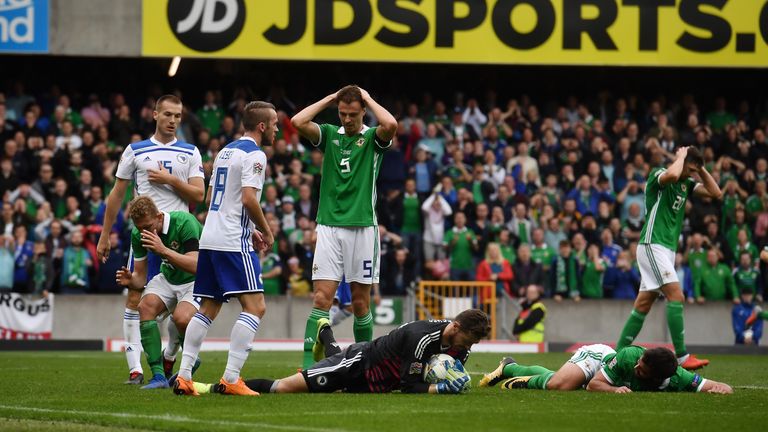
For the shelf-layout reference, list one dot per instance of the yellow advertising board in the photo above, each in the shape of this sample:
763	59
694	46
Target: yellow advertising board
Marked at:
715	33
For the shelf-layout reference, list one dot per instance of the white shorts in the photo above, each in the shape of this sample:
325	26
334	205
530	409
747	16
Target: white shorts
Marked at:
347	251
590	359
657	266
171	294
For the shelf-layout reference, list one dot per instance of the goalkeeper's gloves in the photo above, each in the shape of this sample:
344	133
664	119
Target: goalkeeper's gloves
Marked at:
456	381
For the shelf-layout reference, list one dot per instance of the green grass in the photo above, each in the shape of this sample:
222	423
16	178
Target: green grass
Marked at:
84	392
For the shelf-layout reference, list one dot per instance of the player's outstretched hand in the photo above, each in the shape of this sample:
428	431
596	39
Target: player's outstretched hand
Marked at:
622	389
103	248
720	388
123	276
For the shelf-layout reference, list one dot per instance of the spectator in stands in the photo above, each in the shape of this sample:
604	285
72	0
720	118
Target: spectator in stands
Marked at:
495	268
105	275
460	243
210	114
271	272
529	325
400	273
298	284
520	225
592	275
435	209
94	115
716	280
76	264
747	276
745	333
473	118
526	271
24	251
424	171
744	245
42	274
6	262
564	274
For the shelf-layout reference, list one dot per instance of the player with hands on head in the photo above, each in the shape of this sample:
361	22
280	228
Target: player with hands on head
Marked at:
666	193
347	230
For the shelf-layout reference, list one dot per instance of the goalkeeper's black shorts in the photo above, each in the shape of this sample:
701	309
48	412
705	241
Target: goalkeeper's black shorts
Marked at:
344	371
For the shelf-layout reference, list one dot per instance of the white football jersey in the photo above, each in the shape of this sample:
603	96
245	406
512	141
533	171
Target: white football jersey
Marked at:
228	227
179	158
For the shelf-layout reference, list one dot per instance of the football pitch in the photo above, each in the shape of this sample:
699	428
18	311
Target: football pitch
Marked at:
83	391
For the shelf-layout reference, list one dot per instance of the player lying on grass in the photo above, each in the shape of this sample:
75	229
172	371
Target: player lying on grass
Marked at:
600	368
174	237
388	363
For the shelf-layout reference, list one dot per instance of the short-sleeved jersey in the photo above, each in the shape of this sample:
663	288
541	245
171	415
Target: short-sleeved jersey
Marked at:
181	233
228	227
179	158
665	207
397	360
348	184
619	370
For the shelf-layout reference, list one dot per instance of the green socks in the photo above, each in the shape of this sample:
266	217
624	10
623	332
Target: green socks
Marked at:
539	382
516	370
150	341
632	328
310	333
363	328
676	325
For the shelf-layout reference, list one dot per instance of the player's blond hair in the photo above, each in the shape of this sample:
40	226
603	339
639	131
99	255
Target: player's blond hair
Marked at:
142	207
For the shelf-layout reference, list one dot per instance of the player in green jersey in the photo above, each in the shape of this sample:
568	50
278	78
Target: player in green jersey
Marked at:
347	230
600	368
666	193
634	368
174	237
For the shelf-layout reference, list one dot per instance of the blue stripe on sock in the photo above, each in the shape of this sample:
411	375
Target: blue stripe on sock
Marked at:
250	322
204	319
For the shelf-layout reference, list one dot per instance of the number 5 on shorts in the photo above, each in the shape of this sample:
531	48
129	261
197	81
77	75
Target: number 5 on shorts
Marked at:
367	269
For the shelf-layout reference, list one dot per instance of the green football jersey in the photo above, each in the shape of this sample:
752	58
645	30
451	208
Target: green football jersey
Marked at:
180	231
348	184
542	255
592	280
746	279
619	369
665	207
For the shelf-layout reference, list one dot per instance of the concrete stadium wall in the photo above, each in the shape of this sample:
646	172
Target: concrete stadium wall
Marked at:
95	28
100	317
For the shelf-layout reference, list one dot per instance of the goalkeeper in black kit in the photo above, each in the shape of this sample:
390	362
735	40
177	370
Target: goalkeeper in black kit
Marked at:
388	363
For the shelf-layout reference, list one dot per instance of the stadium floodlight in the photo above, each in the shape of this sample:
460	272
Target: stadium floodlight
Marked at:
174	66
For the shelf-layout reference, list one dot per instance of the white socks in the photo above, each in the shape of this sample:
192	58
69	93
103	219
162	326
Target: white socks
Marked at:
240	340
194	336
173	341
132	335
338	315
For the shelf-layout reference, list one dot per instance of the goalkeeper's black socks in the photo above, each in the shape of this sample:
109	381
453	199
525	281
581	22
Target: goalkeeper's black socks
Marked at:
326	337
261	385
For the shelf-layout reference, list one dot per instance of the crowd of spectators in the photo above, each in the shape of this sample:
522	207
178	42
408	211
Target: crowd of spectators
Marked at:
492	189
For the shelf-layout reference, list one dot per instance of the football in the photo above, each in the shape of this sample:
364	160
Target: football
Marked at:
437	368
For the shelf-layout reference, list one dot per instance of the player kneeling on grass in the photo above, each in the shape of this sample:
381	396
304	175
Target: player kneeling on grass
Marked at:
600	368
174	237
388	363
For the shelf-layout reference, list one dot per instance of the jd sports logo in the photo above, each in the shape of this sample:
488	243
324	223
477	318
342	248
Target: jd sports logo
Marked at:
206	25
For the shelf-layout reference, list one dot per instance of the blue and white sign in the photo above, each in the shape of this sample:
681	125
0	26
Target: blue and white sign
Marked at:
24	26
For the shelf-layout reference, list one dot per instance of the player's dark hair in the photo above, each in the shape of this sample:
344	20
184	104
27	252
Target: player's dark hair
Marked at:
694	156
167	98
256	112
142	207
661	362
475	322
349	94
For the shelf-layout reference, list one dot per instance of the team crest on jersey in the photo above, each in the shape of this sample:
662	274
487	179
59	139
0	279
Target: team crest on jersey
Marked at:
416	368
182	158
360	141
174	245
315	268
336	142
612	364
683	187
258	168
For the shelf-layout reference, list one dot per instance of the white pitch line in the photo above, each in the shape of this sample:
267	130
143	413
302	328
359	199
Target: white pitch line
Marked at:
167	417
749	387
